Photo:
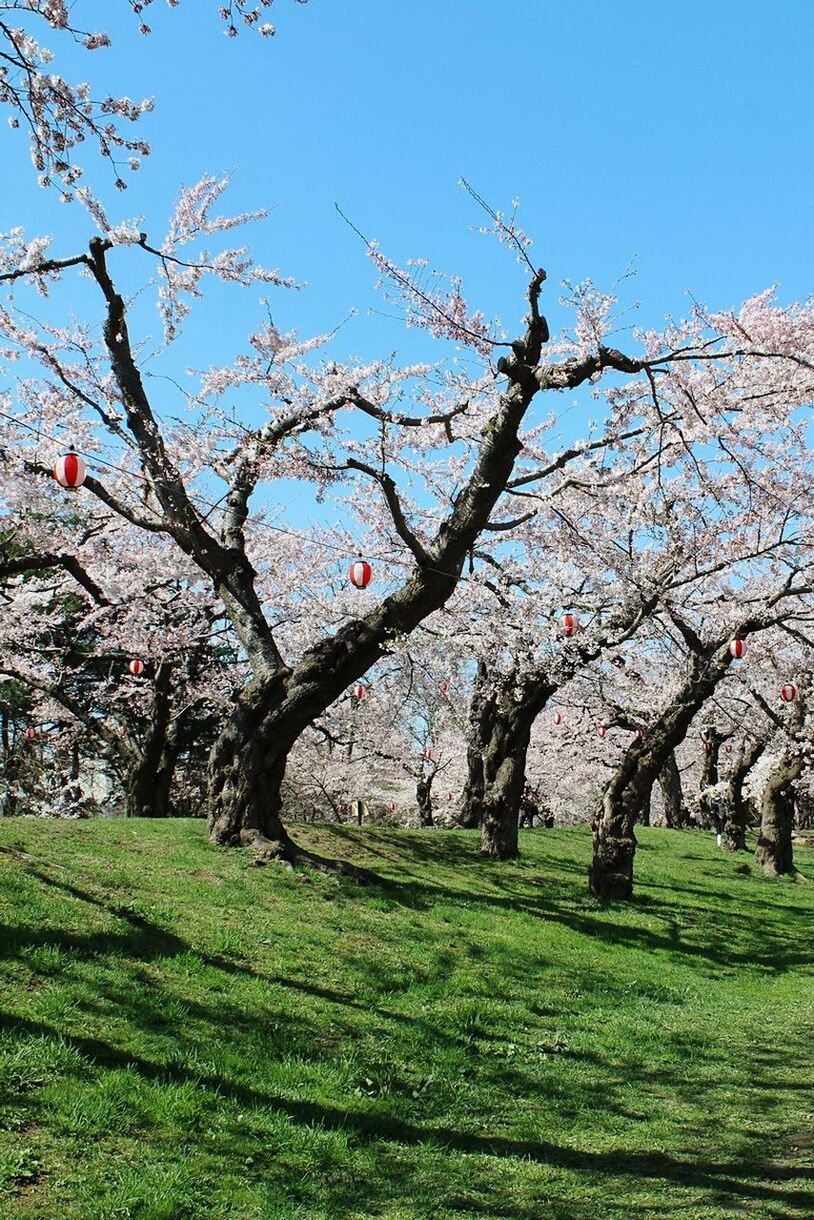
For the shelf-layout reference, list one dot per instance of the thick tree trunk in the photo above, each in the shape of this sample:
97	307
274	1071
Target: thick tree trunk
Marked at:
245	775
480	712
774	847
614	843
505	767
669	780
501	717
734	835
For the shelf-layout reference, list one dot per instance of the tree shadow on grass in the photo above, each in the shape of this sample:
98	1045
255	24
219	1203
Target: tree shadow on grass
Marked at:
742	1179
585	916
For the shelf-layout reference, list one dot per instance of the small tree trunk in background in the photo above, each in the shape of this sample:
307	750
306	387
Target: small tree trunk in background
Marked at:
644	812
149	780
734	836
423	796
711	740
71	796
774	847
9	767
669	780
805	811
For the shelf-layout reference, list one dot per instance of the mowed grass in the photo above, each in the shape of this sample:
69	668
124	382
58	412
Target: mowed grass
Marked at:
185	1035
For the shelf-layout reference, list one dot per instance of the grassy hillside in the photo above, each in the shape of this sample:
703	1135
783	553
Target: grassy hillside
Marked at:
184	1035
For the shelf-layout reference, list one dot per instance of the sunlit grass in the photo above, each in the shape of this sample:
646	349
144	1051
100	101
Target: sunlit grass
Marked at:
185	1035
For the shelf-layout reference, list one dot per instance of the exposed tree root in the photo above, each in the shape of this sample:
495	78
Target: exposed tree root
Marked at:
288	853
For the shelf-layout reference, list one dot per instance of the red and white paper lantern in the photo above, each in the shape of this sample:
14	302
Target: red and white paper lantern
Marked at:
558	717
69	470
360	573
601	730
737	647
358	691
788	693
136	667
569	624
31	733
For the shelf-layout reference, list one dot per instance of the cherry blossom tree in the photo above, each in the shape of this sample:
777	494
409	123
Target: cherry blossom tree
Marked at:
60	115
329	423
74	619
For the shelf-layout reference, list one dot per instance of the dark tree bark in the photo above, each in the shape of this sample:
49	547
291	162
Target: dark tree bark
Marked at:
247	762
711	741
669	781
10	766
502	713
480	712
152	768
614	843
805	811
423	796
774	846
737	820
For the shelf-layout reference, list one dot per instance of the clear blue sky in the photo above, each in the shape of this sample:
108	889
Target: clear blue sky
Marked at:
678	134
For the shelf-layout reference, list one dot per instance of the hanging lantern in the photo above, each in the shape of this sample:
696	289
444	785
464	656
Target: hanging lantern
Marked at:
601	730
69	470
444	688
428	754
788	693
136	667
122	731
358	691
569	624
558	717
737	647
638	735
360	573
727	749
31	732
707	746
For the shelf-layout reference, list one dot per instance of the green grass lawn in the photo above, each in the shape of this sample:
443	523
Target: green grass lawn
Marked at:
185	1035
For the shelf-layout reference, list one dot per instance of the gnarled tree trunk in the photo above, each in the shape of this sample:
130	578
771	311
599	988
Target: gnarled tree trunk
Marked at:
505	771
669	781
734	835
774	847
611	872
480	711
614	843
506	713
